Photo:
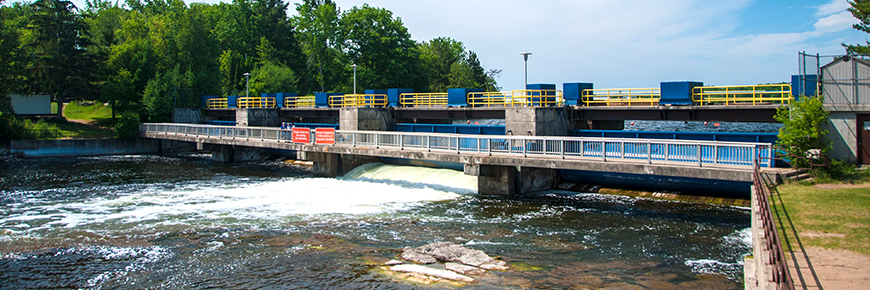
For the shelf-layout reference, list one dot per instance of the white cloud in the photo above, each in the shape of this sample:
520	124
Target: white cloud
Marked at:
836	22
833	7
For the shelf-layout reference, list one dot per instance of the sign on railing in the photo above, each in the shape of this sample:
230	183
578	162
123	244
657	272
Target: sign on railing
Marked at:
301	135
324	136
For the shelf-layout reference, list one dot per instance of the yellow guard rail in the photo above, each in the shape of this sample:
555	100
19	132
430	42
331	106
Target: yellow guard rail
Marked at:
621	97
743	95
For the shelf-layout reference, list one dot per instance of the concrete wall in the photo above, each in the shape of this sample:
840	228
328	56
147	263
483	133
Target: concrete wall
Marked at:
258	117
366	119
546	121
61	148
31	104
842	134
334	164
187	116
229	153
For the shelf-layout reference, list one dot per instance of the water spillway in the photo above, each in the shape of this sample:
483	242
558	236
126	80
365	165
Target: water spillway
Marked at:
448	179
184	222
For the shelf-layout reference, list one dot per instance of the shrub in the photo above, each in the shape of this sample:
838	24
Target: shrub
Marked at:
128	126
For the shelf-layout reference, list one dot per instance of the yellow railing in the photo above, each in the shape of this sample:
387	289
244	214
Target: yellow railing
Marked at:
356	101
423	99
299	102
217	103
621	97
733	95
256	102
516	98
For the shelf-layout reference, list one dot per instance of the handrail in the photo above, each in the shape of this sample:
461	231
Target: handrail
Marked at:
620	97
423	99
731	95
216	103
516	98
357	101
299	102
697	153
256	102
781	274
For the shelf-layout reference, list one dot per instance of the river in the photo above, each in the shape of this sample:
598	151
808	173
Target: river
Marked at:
184	222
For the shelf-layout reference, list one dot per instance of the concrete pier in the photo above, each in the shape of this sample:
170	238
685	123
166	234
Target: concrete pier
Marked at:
366	119
258	117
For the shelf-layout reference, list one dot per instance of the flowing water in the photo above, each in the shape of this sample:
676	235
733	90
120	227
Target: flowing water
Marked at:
183	222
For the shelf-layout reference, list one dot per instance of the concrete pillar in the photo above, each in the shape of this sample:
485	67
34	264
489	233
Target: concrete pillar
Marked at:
510	180
229	154
537	121
334	164
366	119
258	117
497	180
537	179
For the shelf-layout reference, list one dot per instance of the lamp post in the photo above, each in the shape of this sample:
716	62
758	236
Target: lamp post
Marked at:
247	80
526	55
354	66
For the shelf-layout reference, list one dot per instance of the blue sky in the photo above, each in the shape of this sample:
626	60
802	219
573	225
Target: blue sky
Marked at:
633	43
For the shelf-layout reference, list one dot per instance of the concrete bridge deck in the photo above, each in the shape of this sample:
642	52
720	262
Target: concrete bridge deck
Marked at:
491	156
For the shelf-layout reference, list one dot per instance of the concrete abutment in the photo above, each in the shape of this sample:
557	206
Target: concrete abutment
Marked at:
510	180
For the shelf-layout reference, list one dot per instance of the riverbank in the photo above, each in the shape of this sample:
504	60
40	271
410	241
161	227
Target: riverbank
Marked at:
826	230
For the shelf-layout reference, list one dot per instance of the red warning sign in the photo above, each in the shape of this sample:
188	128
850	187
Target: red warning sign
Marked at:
324	136
301	135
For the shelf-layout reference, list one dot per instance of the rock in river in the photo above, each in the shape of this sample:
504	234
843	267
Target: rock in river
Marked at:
438	273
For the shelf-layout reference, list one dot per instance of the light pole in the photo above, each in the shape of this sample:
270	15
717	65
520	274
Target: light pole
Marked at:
354	66
526	55
247	80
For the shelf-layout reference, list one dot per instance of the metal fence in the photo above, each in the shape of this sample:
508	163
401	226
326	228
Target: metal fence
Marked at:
698	153
780	275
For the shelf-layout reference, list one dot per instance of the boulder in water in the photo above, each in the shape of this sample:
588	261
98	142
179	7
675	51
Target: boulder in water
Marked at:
411	255
432	272
450	252
464	269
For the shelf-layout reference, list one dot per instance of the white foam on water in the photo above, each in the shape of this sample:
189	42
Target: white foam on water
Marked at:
270	200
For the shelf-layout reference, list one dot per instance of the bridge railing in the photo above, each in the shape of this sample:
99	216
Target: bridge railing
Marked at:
516	98
256	102
621	97
743	95
357	101
216	103
423	99
299	102
699	153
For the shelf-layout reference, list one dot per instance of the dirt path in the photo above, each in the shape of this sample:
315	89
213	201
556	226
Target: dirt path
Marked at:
830	269
839	186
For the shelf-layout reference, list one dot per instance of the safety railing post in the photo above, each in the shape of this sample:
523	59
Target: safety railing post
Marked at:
699	155
648	152
562	148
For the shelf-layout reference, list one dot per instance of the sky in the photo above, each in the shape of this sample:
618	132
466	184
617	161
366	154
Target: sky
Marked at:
632	43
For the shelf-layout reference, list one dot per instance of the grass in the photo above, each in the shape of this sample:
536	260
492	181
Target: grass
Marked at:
828	218
97	116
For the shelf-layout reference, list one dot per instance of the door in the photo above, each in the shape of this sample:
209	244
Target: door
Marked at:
864	139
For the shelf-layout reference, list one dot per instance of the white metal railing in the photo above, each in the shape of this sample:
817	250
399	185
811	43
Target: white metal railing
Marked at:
697	153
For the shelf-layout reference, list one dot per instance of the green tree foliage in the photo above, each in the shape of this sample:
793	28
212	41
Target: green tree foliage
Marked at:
317	24
861	10
150	56
382	47
61	66
128	126
272	78
804	128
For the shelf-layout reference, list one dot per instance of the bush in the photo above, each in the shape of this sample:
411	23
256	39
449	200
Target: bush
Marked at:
839	171
803	128
128	126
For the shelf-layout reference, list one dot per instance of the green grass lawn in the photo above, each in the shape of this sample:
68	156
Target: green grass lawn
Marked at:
828	218
98	115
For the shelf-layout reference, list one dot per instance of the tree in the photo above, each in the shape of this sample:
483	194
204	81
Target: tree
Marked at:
803	128
61	66
861	10
272	78
318	29
382	47
438	57
10	66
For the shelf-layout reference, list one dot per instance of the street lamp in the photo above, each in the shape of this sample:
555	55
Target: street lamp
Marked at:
354	66
526	55
247	80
